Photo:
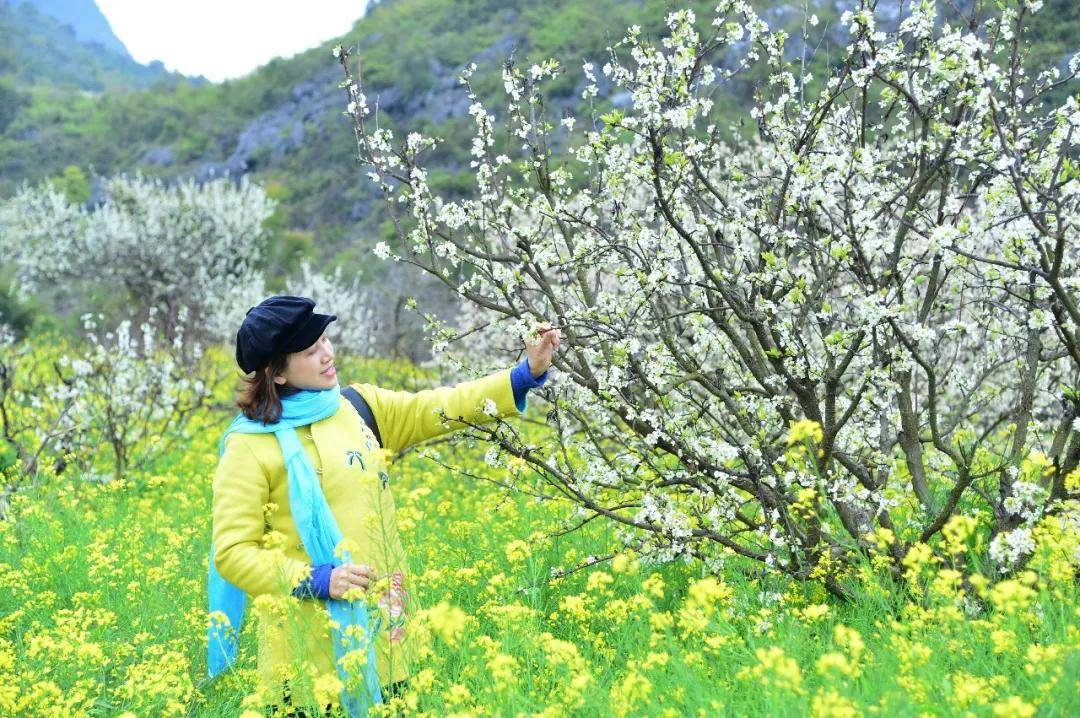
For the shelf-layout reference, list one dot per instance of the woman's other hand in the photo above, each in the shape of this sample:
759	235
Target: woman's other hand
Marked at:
540	346
350	575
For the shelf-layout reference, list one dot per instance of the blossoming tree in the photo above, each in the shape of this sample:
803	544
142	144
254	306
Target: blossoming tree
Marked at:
854	333
165	246
118	399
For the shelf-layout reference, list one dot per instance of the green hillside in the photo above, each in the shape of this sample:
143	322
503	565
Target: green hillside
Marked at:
45	50
85	19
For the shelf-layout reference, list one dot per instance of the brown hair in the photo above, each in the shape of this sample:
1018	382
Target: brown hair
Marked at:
259	399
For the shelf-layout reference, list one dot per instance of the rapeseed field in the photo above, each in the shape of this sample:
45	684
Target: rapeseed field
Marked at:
103	606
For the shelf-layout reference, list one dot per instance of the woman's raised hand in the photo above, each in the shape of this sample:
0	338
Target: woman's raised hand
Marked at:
540	345
350	575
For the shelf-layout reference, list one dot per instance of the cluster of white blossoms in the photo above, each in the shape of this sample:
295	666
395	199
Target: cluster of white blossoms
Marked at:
891	257
1009	547
381	250
1027	501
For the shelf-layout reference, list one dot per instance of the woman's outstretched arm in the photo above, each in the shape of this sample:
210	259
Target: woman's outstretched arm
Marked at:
406	418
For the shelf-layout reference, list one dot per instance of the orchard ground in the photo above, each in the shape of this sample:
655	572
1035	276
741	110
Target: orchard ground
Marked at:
103	609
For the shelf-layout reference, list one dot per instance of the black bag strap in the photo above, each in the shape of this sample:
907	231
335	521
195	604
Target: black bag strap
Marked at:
363	410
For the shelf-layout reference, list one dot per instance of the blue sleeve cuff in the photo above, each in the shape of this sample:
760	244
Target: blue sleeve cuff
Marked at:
317	585
521	380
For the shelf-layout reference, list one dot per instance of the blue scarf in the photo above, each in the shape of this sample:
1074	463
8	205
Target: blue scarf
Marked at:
319	533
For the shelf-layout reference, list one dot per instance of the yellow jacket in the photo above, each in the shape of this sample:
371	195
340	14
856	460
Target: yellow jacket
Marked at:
251	500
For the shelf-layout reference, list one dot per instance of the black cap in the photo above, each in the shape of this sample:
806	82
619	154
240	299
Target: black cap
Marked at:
278	325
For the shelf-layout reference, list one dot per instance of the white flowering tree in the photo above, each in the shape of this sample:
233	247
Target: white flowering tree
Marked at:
133	393
854	332
106	406
130	393
165	246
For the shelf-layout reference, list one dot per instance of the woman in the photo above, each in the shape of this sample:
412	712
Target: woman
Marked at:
302	506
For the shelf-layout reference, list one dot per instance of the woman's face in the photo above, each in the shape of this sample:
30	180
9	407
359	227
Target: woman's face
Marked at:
312	368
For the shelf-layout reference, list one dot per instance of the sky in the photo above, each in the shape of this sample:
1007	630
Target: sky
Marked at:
223	39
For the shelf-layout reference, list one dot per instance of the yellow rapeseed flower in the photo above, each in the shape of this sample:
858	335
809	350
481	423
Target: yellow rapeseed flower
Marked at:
346	549
447	621
598	582
882	537
968	689
1013	707
1011	596
1036	465
654	585
775	669
918	556
628	693
813	613
327	686
504	670
956	532
458	694
828	703
575	606
624	562
517	551
805	429
422	680
656	658
702	599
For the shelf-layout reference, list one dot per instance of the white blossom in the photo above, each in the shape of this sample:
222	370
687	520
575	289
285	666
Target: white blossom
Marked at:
1009	547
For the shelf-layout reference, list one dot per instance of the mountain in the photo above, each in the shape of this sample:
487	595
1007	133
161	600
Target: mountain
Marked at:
74	48
85	19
